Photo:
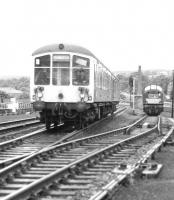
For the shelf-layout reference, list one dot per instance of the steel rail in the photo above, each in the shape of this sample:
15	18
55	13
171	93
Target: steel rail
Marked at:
37	122
13	143
65	145
6	159
82	132
17	121
14	126
43	184
17	167
134	125
108	191
14	131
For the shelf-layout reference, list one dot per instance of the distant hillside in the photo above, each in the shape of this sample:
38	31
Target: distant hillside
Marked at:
151	73
22	84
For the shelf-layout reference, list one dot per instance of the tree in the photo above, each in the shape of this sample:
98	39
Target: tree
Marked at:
22	84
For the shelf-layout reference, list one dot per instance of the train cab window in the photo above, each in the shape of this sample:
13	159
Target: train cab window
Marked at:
79	61
42	61
152	95
80	77
42	70
80	74
61	69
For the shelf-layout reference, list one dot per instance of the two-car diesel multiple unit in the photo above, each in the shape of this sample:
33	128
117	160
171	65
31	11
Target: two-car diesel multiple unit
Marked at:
70	85
153	100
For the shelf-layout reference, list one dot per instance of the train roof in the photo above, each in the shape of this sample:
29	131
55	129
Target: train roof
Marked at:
67	48
153	87
63	47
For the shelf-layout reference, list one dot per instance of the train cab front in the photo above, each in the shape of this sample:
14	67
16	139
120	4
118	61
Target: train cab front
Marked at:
61	86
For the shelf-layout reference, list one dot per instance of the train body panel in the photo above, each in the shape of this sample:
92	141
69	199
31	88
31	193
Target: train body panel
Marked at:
62	91
106	85
61	94
153	100
69	83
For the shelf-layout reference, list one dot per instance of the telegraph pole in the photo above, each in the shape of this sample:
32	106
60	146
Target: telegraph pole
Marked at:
172	95
133	95
130	86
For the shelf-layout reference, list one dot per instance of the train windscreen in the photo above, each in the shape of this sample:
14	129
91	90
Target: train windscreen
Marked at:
153	96
61	69
81	70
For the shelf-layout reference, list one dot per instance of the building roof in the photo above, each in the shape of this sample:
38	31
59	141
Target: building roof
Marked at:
9	90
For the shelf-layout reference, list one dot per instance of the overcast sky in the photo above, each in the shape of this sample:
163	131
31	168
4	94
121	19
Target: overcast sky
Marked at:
121	33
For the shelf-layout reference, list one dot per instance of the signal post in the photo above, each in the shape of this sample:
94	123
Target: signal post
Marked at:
138	96
137	100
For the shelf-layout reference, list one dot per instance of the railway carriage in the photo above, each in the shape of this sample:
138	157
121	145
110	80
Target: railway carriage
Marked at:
153	100
70	85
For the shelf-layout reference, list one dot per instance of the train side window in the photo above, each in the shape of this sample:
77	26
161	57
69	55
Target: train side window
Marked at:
98	76
107	81
104	80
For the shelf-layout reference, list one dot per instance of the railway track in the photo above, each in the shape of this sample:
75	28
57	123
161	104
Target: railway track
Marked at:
52	164
85	132
13	129
110	190
17	145
23	146
13	122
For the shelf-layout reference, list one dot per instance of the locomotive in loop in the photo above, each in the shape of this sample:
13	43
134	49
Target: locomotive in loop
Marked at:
70	85
153	100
